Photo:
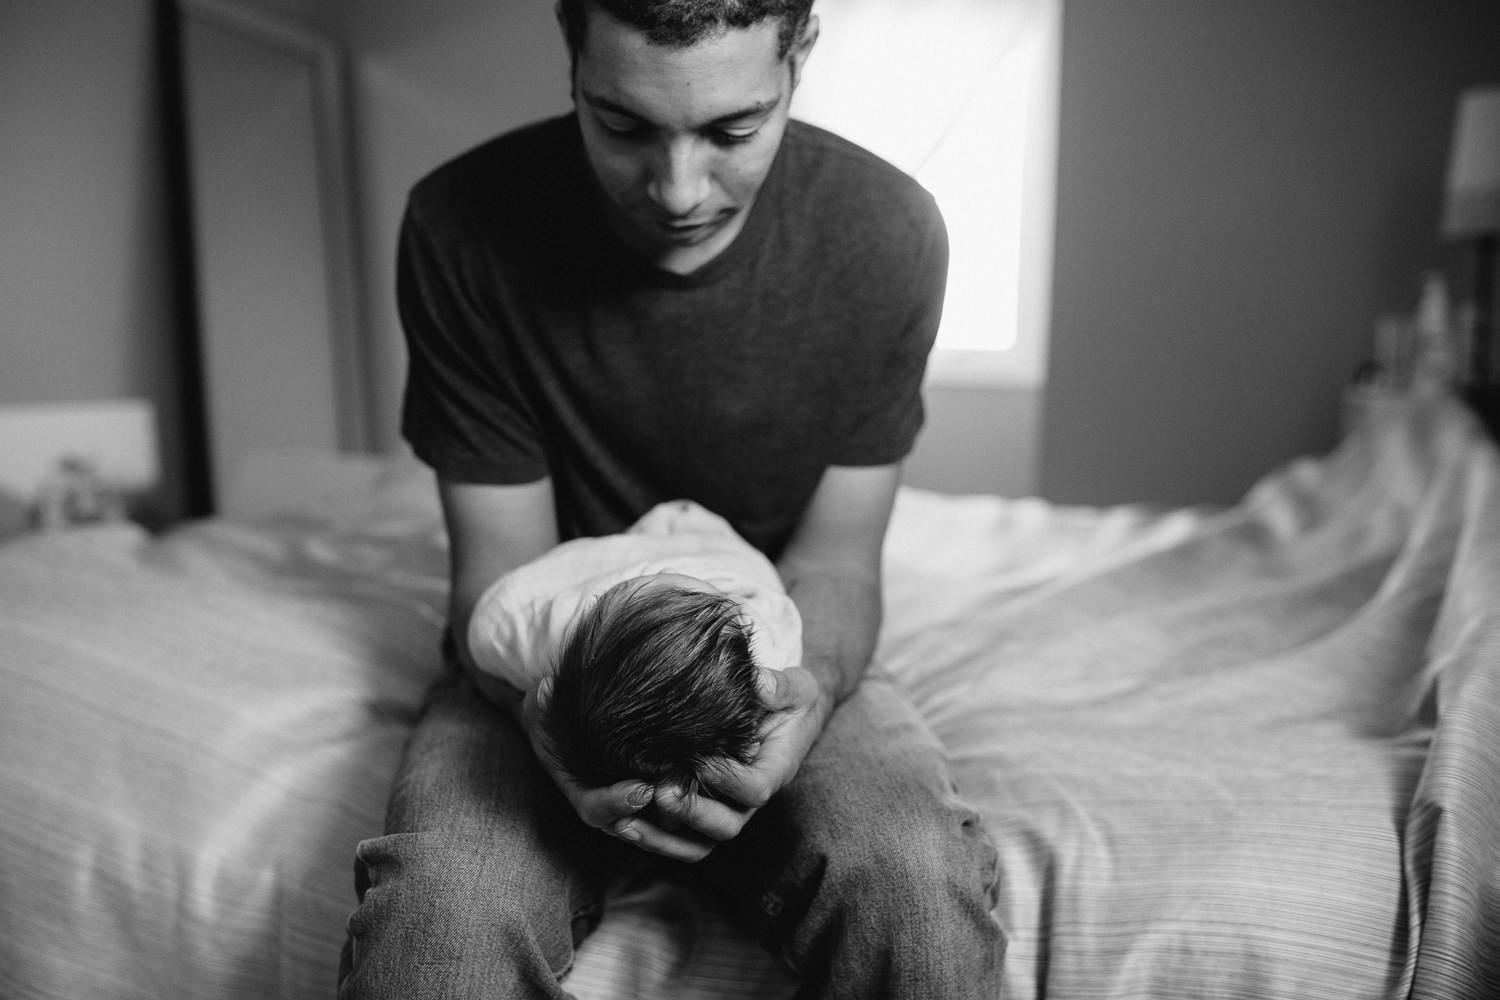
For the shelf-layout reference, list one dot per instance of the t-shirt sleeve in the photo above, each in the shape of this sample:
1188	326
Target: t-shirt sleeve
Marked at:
465	412
886	430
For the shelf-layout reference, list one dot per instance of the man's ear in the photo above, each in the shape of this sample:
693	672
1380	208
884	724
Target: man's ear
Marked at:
799	52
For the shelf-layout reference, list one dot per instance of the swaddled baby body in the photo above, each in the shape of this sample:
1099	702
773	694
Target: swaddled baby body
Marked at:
649	641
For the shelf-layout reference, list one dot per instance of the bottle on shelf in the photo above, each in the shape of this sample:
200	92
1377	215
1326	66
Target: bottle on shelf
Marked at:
1436	362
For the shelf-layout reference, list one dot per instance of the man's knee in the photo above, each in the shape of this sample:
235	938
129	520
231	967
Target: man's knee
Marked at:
909	905
431	901
904	863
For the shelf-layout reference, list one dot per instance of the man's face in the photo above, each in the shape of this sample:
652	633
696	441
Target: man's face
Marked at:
681	139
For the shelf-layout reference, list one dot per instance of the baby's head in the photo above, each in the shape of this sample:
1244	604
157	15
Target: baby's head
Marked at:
654	680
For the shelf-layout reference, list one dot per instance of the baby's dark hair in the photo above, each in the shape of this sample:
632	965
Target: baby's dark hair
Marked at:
679	23
653	682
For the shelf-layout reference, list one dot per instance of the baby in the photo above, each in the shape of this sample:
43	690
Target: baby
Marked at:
651	638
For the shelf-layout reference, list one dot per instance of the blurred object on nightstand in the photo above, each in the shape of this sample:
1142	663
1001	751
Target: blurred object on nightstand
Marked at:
1418	353
1364	399
1386	376
71	463
1435	362
76	493
1395	352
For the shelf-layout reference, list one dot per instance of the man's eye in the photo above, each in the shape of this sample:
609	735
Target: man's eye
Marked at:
725	137
623	128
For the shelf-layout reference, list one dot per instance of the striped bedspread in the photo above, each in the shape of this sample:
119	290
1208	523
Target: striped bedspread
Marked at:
1243	752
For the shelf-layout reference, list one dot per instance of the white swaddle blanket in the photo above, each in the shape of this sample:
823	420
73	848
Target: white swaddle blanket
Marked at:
521	620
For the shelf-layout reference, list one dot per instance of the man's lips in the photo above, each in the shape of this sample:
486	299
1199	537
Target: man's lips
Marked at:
686	230
676	228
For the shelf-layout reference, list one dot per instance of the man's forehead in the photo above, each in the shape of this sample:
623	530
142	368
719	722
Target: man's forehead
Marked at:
597	18
731	74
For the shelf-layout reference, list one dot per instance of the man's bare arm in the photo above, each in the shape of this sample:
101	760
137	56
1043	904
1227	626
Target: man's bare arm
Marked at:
831	569
491	531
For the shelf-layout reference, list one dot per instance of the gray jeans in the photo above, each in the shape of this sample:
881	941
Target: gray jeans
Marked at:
867	874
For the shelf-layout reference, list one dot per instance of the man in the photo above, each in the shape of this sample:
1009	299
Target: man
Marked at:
676	293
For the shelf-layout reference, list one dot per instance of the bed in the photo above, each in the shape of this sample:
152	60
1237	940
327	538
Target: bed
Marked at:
1250	751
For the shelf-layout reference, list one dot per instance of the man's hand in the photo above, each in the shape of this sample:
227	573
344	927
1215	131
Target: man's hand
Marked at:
798	710
621	810
686	826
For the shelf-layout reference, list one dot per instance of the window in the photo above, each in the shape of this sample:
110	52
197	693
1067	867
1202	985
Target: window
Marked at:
962	94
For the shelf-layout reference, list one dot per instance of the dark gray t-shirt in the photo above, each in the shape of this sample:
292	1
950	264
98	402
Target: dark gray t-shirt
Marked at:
540	346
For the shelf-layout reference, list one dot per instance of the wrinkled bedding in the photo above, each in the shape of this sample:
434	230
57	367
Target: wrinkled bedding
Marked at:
1240	752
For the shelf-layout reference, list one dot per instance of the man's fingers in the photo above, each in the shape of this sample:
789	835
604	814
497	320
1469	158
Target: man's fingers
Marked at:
617	811
767	684
605	807
781	690
718	821
683	845
747	788
774	687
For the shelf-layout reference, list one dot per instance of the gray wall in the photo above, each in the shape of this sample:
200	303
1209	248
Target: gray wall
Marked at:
1243	186
978	439
86	300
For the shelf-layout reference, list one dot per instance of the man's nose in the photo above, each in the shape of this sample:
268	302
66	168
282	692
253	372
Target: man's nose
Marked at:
679	177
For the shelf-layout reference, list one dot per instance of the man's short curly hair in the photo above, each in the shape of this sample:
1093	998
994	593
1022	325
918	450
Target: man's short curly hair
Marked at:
680	23
655	683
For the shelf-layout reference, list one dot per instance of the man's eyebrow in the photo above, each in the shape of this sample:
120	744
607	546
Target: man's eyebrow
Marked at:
749	111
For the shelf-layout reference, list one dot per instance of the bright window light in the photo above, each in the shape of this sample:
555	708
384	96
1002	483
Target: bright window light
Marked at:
975	173
962	95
